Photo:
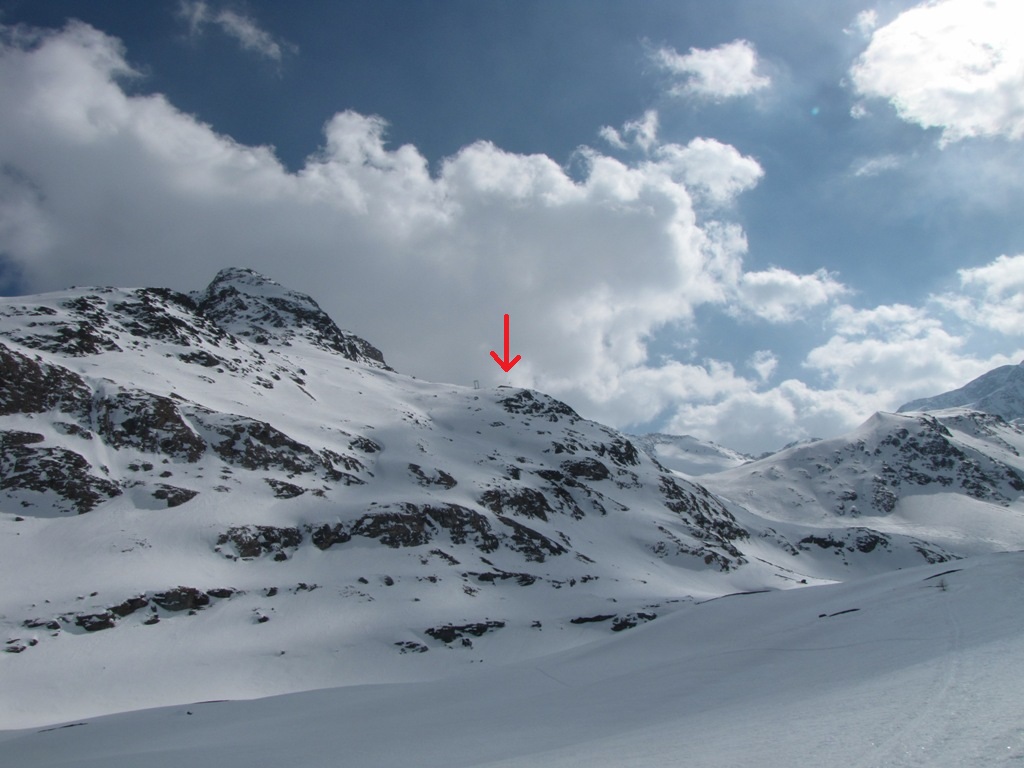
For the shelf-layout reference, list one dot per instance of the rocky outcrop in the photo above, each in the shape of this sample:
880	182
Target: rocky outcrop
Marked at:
49	477
259	310
30	386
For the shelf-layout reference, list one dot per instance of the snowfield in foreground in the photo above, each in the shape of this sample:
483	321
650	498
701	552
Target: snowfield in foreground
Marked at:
922	667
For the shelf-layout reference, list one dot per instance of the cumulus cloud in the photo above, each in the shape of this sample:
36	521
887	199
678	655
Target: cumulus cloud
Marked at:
764	363
716	171
957	65
780	296
759	421
642	132
991	296
897	352
242	28
725	72
101	187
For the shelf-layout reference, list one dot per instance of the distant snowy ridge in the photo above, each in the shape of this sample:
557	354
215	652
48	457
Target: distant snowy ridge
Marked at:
999	392
690	455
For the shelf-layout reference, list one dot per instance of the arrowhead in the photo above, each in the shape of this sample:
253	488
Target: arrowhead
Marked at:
506	365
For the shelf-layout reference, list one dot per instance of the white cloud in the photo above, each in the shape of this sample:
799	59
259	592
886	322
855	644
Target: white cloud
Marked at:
896	353
728	71
101	187
642	132
991	296
104	187
716	171
242	28
864	23
873	166
763	421
780	296
957	65
764	362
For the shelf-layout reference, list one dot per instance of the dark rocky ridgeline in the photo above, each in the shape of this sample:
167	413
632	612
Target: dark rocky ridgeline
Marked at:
412	525
251	306
396	526
82	328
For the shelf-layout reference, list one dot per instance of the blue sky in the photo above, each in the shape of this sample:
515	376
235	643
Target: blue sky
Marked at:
750	221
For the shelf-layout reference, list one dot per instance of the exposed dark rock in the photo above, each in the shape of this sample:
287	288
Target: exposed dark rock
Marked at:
94	622
536	404
181	599
524	502
129	606
201	357
621	451
148	423
410	647
256	540
364	444
587	469
411	526
256	308
592	619
220	592
489	577
30	386
49	624
59	470
333	460
326	536
253	444
85	330
534	546
284	490
173	495
449	633
631	620
437	477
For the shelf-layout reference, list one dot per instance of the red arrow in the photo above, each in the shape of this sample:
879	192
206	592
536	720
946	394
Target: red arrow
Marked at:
506	364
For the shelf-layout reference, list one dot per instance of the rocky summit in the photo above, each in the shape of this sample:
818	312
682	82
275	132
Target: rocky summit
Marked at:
228	487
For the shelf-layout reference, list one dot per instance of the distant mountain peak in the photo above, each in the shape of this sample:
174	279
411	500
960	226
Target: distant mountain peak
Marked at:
999	392
260	310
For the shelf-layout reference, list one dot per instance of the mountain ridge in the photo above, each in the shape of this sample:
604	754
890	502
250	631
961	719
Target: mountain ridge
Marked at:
999	392
221	479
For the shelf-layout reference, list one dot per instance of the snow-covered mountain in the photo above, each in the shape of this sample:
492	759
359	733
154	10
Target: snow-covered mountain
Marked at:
690	455
999	392
952	480
224	495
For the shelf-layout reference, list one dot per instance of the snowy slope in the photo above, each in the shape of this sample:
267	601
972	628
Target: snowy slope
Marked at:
951	479
690	455
999	392
923	667
224	495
